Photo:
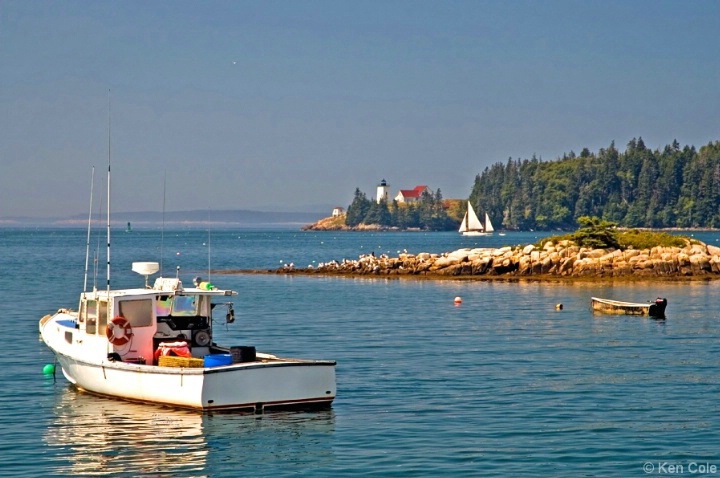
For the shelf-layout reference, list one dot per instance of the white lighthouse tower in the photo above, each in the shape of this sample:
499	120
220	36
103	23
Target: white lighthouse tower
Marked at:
382	191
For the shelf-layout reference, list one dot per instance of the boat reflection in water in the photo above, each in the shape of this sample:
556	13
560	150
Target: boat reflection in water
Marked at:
92	435
101	436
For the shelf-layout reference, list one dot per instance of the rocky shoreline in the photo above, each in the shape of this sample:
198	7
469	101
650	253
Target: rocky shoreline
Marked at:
335	224
563	260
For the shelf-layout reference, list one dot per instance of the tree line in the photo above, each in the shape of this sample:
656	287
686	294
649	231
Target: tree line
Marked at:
672	187
428	213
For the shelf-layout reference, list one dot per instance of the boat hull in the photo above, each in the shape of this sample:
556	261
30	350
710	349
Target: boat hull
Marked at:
257	385
607	306
266	382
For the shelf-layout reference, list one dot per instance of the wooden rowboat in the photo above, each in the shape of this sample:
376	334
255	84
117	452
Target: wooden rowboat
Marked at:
608	306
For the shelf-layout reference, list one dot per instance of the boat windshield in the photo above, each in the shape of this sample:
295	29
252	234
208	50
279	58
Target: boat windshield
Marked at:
178	306
185	305
163	306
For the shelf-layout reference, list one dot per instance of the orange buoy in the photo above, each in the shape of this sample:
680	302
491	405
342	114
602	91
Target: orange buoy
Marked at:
458	300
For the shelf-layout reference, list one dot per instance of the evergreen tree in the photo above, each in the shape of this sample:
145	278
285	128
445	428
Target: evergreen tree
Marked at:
395	213
432	214
358	209
412	216
378	213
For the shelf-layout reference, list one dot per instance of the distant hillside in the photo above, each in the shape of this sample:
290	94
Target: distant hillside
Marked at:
238	218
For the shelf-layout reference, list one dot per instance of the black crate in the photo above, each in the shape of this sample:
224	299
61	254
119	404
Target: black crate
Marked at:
243	353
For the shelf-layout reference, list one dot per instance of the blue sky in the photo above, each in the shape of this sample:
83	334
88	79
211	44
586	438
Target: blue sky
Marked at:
291	105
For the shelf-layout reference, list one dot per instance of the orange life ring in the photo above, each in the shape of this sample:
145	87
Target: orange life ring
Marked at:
119	331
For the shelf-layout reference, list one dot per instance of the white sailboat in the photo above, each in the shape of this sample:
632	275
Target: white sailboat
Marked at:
471	225
488	225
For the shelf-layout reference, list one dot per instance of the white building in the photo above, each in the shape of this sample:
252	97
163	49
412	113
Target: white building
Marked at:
383	191
411	195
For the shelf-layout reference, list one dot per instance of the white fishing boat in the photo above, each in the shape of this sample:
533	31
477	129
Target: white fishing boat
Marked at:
471	225
155	344
114	345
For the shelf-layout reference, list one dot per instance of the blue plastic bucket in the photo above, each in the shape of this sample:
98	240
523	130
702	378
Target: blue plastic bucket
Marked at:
216	360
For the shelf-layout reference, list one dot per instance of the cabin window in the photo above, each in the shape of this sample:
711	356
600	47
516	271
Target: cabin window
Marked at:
185	306
91	316
102	317
163	306
138	312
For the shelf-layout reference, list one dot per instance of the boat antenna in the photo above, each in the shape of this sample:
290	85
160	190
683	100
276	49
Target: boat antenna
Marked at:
96	252
162	231
95	266
87	247
208	244
108	202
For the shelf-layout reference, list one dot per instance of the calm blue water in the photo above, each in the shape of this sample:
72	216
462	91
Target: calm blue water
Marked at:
502	385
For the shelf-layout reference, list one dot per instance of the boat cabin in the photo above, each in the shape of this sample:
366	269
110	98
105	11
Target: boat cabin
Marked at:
131	324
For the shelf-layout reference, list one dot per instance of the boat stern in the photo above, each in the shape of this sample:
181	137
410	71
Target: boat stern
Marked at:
274	384
657	308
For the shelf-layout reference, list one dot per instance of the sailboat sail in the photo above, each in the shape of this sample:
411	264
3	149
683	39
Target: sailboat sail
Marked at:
488	225
470	222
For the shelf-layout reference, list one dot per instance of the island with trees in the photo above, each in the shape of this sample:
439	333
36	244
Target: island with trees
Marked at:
597	249
673	187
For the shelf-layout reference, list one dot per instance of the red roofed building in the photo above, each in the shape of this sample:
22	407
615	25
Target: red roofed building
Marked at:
411	195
